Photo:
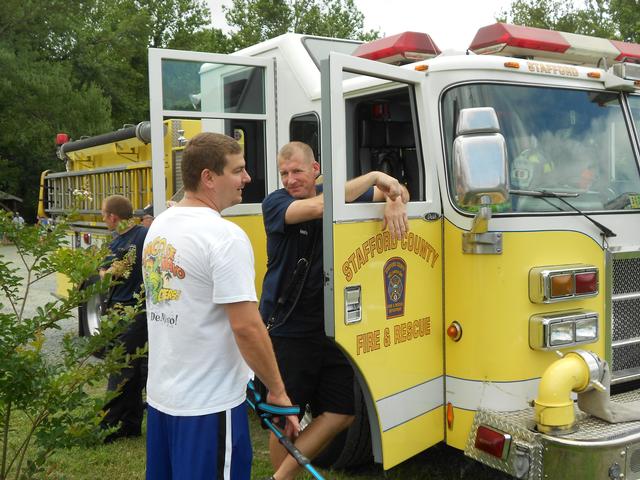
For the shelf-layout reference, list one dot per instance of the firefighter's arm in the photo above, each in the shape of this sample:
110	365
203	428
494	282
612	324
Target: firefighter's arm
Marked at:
304	209
386	185
256	349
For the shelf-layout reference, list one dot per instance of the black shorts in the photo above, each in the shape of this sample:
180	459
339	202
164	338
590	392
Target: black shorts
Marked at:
315	373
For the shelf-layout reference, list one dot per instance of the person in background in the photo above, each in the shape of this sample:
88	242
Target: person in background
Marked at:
315	371
18	220
205	332
146	216
125	411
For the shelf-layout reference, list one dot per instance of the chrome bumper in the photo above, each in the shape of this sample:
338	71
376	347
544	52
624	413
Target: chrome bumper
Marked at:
596	450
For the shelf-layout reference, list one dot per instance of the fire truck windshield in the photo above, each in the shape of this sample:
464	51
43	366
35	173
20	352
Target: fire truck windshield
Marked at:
560	140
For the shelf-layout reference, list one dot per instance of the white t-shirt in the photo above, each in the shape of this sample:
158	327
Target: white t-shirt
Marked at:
194	261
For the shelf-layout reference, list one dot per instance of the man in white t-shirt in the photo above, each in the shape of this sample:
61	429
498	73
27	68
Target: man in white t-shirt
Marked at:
205	333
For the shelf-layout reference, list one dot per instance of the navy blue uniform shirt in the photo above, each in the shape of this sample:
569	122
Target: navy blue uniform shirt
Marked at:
119	246
286	244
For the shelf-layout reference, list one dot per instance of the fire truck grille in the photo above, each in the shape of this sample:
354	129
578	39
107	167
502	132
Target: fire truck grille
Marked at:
625	317
626	278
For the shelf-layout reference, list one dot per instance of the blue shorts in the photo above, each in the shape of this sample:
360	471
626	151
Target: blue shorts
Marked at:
205	447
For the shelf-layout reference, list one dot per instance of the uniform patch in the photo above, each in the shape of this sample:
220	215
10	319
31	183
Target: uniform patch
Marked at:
395	281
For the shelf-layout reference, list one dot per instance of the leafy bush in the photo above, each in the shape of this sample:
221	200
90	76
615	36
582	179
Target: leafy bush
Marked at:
48	392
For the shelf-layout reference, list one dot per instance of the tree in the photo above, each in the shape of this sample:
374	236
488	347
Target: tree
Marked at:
258	20
80	68
38	99
614	19
625	14
111	47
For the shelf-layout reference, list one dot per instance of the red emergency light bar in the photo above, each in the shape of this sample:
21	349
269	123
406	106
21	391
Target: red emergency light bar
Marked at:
399	49
537	43
494	38
629	52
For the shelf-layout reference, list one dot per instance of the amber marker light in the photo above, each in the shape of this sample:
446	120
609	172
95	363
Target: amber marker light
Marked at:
512	64
450	415
454	331
561	285
421	68
593	74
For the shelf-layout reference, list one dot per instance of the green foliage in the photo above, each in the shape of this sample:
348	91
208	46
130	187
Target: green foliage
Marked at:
614	19
626	16
257	20
47	393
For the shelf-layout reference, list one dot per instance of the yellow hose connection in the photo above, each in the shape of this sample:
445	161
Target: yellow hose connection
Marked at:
577	371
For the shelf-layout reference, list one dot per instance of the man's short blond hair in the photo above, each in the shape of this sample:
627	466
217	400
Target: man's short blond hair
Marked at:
288	150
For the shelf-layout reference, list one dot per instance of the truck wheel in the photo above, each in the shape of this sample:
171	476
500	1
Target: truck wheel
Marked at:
351	447
89	312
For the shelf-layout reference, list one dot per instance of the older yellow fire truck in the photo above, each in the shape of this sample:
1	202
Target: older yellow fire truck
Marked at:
521	159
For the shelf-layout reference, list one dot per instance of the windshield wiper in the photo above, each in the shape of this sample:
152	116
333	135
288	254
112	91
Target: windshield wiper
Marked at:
561	196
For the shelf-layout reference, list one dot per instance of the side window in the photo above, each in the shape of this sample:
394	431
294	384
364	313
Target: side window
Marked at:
386	138
306	128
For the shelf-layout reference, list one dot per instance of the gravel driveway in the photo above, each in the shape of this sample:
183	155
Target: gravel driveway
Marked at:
39	294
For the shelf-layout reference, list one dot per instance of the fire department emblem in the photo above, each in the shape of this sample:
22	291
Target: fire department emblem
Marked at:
395	281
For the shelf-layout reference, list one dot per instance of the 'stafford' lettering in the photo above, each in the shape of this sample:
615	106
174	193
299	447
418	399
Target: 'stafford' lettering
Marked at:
383	242
553	69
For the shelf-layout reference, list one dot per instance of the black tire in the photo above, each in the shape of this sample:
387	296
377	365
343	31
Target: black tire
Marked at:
89	312
352	447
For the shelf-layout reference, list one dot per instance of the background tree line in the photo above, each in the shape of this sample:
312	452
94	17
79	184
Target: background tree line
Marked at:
613	19
81	67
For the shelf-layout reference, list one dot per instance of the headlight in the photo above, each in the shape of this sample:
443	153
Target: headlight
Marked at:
560	333
587	329
554	330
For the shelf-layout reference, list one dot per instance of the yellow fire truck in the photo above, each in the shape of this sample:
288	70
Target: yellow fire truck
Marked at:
517	289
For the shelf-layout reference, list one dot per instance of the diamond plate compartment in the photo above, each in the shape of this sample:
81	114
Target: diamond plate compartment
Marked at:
524	459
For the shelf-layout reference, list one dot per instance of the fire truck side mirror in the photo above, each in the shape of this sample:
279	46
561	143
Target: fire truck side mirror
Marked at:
479	158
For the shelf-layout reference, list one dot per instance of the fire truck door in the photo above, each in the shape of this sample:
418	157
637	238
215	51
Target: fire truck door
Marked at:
383	297
226	94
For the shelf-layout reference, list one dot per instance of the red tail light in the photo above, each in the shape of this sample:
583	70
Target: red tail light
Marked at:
493	442
586	283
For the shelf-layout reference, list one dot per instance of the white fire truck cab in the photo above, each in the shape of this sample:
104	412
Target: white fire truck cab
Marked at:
517	289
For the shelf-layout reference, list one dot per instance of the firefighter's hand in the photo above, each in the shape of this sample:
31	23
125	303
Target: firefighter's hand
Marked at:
388	185
395	218
292	427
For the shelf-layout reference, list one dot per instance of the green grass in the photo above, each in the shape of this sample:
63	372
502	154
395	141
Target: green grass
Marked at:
125	460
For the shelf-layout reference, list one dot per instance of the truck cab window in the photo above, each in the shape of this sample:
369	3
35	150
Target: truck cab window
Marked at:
385	137
568	140
306	128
